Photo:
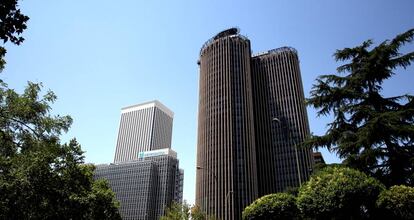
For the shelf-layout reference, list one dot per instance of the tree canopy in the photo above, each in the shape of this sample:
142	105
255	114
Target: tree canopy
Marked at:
371	132
178	211
273	206
40	178
397	202
339	193
12	23
335	192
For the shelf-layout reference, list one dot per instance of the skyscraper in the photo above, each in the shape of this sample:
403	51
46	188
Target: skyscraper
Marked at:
280	121
143	127
145	176
251	115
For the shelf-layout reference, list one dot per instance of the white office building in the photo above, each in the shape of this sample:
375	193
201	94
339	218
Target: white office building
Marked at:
143	127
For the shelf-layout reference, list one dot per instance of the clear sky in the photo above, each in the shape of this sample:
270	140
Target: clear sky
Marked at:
99	56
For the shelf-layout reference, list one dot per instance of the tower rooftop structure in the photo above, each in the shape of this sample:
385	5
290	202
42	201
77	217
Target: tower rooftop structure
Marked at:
154	103
231	32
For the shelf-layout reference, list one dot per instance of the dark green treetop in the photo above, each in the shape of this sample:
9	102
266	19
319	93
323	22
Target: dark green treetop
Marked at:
397	202
12	25
339	193
371	132
273	206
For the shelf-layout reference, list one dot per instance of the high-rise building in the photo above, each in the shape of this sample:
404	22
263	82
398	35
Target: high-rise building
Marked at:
143	127
280	121
145	187
251	116
226	153
145	176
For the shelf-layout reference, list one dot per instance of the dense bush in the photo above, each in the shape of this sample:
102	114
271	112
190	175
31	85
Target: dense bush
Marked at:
273	206
397	202
340	193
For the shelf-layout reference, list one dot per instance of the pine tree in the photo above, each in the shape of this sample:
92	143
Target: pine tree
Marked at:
371	132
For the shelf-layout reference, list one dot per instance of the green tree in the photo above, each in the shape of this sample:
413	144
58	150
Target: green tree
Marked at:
398	202
339	193
40	178
273	206
197	214
101	201
371	132
12	25
177	211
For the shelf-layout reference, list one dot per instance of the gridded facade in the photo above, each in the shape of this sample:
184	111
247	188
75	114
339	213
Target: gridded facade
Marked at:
167	173
135	187
179	184
143	127
280	121
144	187
251	115
226	178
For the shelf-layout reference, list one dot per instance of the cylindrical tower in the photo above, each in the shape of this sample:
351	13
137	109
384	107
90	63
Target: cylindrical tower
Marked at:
281	121
226	157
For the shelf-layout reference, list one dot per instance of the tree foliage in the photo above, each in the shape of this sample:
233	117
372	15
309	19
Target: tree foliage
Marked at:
40	178
398	202
197	214
273	206
339	193
178	211
371	132
12	25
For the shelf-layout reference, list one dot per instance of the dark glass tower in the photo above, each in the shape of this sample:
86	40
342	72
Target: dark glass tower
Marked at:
145	187
251	116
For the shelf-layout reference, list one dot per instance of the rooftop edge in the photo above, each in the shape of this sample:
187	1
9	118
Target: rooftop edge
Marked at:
154	103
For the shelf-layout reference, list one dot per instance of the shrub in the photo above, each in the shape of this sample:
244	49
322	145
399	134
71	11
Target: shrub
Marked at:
340	193
397	202
273	206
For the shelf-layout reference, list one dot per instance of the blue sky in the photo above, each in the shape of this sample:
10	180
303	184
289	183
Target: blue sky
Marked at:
99	56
